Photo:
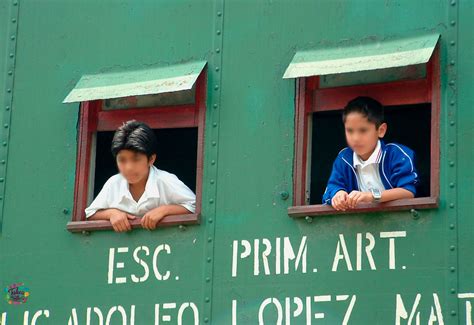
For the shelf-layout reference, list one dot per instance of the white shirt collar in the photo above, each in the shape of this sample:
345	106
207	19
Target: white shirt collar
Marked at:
151	186
373	159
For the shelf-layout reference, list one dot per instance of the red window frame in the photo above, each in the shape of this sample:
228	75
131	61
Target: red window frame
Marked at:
311	98
92	118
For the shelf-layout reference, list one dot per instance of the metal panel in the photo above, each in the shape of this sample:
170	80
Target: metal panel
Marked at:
362	57
133	83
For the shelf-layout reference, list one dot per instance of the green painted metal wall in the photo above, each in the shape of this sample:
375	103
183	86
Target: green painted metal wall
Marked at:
248	45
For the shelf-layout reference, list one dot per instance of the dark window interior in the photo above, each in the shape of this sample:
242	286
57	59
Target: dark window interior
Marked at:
176	153
409	125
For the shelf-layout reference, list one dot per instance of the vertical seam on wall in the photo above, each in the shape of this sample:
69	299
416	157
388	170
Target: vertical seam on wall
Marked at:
214	84
451	145
7	107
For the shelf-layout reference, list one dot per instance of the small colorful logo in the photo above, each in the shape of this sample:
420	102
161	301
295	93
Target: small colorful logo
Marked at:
17	293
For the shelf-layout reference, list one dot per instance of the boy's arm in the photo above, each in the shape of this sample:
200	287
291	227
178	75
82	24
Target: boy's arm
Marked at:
336	181
152	217
118	218
179	194
101	202
403	174
396	194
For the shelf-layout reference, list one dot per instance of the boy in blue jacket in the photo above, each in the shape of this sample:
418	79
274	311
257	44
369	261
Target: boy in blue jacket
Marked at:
369	170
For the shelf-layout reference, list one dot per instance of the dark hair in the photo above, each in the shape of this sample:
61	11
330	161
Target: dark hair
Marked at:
366	106
134	136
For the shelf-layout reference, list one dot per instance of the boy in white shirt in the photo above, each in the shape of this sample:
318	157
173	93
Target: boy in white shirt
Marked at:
140	189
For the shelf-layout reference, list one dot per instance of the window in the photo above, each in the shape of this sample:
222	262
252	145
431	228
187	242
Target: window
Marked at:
170	100
410	93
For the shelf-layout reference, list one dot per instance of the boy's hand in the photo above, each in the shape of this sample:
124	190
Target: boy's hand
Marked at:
119	220
152	217
339	201
356	197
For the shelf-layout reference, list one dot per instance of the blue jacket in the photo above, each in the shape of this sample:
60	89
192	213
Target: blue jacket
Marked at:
397	169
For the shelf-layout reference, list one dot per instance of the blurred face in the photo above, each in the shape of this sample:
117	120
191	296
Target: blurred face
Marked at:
362	135
134	166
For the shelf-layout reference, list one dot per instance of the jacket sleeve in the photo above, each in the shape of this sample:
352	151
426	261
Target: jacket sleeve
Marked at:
336	181
403	173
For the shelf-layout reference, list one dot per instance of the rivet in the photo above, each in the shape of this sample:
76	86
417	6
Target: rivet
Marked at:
219	14
212	181
209	260
451	205
215	106
15	3
12	37
452	103
207	299
453	313
453	23
452	62
9	90
5	126
453	2
213	162
209	239
451	226
452	247
214	124
12	55
452	123
284	195
3	162
308	219
182	227
452	269
451	184
211	200
451	82
208	279
210	220
216	87
214	143
206	320
10	73
453	290
451	163
217	69
1	198
218	50
13	20
452	43
2	180
66	211
4	143
451	143
7	108
414	213
218	32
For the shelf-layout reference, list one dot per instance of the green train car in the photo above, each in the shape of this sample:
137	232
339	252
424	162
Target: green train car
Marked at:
245	98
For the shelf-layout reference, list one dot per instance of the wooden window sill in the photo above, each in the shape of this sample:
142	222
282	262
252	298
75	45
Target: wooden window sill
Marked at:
398	205
93	225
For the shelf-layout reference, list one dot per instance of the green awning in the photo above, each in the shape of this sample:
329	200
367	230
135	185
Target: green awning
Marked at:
384	54
135	83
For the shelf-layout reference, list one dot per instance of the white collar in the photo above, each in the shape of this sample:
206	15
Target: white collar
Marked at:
151	186
373	159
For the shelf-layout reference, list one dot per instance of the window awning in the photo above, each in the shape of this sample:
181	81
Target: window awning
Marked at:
135	83
384	54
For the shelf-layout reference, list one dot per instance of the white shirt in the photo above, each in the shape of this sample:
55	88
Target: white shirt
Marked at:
161	188
368	171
